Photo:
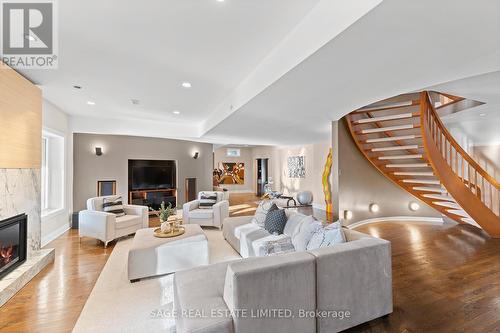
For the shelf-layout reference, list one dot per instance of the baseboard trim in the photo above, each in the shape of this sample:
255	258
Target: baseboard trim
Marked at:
54	234
433	220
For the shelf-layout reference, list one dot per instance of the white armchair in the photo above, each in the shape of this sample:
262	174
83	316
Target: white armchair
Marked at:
95	223
191	212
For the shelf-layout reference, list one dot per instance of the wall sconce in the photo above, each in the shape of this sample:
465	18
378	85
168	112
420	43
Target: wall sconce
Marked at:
98	151
374	208
347	214
196	155
414	206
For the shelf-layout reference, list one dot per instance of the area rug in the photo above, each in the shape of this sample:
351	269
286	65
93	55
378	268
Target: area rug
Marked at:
116	305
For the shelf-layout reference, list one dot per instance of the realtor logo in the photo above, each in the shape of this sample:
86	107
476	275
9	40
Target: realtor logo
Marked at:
28	34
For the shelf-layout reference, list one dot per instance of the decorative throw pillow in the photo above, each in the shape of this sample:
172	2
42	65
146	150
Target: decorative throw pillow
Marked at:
293	224
279	246
275	220
261	212
207	200
329	235
307	229
113	205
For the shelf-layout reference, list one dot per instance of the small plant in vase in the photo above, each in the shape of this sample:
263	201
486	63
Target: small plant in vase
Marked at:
164	213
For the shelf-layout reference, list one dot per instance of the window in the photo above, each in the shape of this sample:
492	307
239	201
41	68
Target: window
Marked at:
233	152
45	173
52	172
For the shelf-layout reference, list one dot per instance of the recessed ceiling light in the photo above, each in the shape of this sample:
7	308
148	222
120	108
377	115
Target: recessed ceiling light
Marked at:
91	103
176	112
186	84
29	37
482	114
220	0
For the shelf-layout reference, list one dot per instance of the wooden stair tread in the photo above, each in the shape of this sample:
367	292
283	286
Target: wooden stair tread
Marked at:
399	116
414	173
394	138
439	197
394	148
408	165
388	129
400	157
422	181
430	189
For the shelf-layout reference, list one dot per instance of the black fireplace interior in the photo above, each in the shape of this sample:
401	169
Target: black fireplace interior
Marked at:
13	236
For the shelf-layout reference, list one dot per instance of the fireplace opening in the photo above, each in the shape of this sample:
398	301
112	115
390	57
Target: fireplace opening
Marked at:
13	237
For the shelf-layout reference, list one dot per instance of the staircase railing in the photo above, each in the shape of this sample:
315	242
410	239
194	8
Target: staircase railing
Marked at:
468	183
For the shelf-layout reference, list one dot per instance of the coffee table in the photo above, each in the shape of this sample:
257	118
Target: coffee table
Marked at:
152	256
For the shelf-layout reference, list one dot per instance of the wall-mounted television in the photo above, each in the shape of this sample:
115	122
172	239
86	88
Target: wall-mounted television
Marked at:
152	175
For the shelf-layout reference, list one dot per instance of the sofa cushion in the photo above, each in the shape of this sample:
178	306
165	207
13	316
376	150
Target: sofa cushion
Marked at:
261	246
191	294
113	204
293	224
327	236
201	213
307	229
128	221
275	220
229	228
245	228
247	239
207	200
261	212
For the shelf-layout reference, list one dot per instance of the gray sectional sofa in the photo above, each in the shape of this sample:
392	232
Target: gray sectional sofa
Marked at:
325	290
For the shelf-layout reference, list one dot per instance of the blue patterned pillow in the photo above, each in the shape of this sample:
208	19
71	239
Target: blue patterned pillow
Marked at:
275	220
327	236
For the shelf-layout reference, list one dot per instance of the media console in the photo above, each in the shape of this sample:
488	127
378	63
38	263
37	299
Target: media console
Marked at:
151	182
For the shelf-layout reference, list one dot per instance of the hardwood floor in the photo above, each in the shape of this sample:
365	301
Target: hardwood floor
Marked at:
445	279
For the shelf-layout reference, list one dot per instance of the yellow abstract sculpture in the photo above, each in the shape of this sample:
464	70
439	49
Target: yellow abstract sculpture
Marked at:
327	189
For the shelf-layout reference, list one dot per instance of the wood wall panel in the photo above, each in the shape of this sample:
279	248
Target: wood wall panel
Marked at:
20	121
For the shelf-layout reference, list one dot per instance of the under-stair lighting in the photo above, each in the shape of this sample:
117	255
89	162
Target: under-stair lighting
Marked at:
177	112
91	103
374	208
347	214
414	206
186	85
482	114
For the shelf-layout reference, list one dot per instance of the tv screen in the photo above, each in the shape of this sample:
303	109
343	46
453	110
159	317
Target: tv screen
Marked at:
153	177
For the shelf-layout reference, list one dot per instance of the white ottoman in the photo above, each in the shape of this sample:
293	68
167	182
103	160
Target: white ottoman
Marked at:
150	255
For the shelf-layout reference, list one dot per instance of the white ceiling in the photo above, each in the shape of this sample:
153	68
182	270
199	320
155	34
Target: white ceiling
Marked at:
480	124
145	51
398	47
118	50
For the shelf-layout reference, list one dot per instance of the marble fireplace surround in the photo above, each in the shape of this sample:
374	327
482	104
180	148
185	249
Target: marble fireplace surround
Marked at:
20	193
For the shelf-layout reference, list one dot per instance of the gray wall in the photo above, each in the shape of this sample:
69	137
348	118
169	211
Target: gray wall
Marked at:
117	150
360	184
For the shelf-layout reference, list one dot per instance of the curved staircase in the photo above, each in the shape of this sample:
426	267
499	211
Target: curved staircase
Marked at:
404	138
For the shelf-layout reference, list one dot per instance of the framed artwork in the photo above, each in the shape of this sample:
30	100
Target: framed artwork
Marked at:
106	187
229	173
296	167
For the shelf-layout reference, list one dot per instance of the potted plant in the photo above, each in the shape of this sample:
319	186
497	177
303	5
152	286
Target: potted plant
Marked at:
164	213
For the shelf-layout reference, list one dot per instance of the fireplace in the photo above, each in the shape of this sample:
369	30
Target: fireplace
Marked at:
13	239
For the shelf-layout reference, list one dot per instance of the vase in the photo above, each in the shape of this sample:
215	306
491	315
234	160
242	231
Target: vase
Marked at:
165	227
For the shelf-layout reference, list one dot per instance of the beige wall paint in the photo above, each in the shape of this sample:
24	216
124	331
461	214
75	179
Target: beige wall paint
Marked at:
247	158
315	157
360	184
113	164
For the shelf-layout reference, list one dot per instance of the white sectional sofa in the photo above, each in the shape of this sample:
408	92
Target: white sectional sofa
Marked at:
348	283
